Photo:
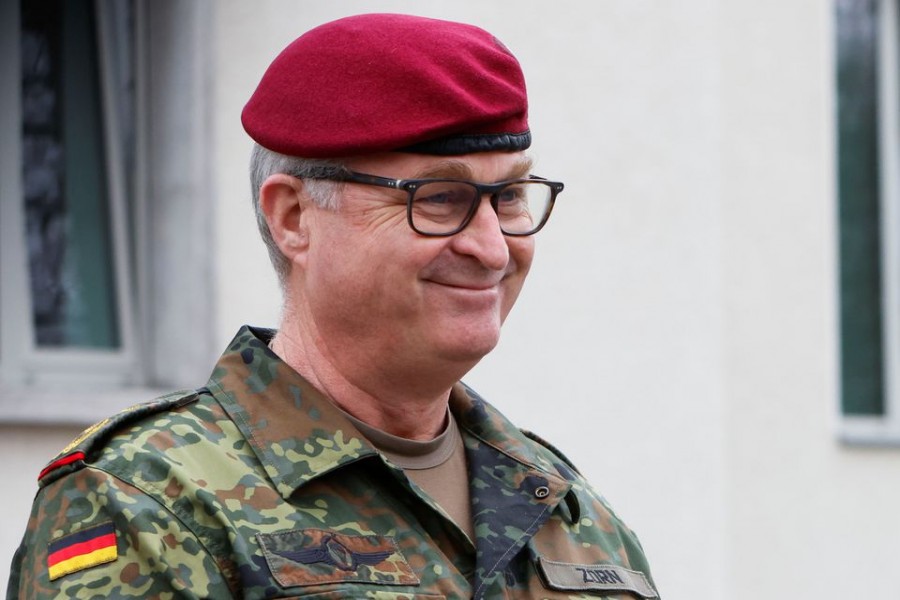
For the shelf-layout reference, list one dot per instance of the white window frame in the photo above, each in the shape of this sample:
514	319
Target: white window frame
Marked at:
25	362
885	429
166	292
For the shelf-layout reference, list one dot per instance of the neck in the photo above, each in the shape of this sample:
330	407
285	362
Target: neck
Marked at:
411	404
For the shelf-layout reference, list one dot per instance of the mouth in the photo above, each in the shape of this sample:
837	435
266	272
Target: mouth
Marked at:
475	286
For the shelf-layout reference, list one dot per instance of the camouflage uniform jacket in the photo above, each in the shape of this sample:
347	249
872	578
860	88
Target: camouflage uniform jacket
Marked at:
258	487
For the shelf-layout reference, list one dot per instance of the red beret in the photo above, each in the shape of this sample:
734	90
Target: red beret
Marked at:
381	82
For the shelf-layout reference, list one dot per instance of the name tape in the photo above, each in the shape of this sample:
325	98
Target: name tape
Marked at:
599	577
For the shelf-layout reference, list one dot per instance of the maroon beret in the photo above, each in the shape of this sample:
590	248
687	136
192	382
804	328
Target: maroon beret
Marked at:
382	82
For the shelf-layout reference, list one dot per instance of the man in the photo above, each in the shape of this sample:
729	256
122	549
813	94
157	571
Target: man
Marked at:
340	456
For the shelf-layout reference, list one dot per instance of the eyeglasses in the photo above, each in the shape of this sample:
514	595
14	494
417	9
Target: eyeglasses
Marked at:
444	207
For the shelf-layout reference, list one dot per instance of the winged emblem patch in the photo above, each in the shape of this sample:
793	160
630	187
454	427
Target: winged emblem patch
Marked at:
318	556
332	552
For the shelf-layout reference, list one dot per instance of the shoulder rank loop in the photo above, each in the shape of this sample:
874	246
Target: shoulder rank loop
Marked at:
66	459
93	438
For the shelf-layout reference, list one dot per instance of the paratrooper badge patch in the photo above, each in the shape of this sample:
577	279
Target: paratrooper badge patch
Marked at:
317	556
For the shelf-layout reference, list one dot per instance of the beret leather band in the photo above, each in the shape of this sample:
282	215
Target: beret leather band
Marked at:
464	144
387	82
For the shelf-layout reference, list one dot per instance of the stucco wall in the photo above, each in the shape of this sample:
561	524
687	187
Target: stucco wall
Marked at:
677	337
803	510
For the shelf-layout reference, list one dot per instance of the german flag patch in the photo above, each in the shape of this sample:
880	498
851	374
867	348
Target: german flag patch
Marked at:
81	550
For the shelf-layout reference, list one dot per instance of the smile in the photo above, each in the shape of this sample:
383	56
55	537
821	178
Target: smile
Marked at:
484	286
470	294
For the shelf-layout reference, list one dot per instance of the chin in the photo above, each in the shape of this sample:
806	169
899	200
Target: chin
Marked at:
469	349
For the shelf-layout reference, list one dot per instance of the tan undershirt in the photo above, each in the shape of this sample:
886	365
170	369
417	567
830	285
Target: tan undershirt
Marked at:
437	466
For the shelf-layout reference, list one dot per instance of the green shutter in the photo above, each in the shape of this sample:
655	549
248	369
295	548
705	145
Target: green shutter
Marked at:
862	376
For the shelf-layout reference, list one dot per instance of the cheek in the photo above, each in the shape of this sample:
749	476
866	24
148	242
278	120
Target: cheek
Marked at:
381	269
334	277
521	254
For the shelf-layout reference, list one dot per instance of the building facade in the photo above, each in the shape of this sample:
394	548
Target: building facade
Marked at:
710	328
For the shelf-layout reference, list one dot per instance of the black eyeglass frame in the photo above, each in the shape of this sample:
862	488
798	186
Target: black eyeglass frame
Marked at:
411	185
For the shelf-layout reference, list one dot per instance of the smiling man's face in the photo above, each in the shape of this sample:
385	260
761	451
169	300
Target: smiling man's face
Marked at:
373	287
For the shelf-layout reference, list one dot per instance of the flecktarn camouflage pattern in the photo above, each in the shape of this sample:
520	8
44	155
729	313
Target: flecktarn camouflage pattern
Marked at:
258	487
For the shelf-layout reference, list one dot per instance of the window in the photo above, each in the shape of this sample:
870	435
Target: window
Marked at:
89	271
67	311
869	214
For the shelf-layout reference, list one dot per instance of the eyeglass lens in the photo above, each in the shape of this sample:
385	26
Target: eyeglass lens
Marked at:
442	206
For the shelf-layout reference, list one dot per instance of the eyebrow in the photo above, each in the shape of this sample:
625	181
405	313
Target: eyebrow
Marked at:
456	169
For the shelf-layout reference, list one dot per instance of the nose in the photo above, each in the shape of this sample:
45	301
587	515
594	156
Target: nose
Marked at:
483	239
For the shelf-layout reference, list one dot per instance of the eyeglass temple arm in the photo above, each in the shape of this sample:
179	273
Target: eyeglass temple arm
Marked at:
365	179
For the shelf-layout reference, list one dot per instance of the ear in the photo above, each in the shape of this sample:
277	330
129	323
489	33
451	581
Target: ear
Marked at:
284	202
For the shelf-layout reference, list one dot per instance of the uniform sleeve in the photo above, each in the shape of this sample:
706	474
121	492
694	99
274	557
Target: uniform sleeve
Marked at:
92	535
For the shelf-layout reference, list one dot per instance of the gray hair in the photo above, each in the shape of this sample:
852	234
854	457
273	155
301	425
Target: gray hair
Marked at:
265	162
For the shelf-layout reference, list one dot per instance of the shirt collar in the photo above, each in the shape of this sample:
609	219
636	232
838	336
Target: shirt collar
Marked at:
295	431
476	416
298	434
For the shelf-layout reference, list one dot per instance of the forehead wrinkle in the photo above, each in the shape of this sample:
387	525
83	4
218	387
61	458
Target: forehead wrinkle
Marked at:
457	169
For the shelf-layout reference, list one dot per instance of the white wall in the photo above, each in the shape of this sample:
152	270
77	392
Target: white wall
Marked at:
677	337
804	512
